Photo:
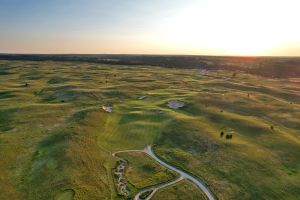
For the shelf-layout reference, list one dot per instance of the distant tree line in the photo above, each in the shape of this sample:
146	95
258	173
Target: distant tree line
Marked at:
278	67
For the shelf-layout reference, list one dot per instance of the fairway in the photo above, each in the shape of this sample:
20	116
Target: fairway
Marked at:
237	132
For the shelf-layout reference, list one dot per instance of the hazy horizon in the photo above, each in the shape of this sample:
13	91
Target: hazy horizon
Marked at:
231	28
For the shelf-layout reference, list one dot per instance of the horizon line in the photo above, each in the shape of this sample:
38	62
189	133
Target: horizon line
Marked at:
148	54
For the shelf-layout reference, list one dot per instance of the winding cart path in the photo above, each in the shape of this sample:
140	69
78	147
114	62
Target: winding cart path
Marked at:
183	175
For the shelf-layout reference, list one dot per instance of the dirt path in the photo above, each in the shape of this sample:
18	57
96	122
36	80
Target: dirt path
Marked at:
183	175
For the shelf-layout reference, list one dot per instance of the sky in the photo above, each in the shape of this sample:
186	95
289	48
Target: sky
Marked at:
197	27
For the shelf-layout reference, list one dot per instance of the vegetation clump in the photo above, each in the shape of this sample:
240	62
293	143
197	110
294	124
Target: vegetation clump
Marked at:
222	134
229	136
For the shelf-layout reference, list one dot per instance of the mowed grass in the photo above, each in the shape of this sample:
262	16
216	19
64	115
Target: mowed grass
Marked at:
57	141
132	126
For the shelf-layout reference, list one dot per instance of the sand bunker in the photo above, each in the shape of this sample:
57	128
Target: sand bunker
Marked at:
145	98
175	104
120	173
159	111
142	97
107	108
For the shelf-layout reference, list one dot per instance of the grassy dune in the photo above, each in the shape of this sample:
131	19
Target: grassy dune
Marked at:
57	141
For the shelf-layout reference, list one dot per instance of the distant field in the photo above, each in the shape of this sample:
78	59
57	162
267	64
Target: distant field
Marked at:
278	67
56	142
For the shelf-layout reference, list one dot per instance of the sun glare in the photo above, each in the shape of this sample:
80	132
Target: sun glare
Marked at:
220	26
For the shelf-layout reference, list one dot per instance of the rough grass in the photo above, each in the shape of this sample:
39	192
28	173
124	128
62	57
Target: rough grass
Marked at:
180	191
143	171
57	80
56	139
6	116
6	94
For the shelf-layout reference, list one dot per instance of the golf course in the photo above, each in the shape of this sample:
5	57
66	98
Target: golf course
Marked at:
89	130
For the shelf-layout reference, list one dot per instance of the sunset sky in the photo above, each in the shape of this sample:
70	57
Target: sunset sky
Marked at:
205	27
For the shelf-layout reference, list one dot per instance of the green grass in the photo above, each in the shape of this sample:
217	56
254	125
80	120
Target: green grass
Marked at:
6	116
57	141
57	80
180	191
6	94
143	171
